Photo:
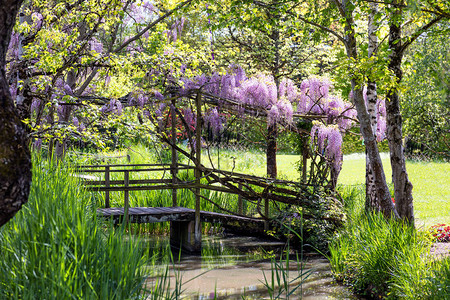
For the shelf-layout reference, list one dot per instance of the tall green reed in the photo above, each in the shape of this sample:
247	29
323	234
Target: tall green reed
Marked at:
54	248
280	284
438	283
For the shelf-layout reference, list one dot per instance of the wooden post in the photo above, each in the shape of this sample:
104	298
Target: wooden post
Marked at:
198	173
126	195
305	160
266	213
107	174
240	204
173	167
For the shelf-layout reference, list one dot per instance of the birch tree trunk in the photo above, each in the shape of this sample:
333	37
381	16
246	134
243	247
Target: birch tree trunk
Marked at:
372	201
402	185
15	158
382	190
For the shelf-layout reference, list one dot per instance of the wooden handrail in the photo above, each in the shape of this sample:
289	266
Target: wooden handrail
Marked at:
121	165
133	170
131	182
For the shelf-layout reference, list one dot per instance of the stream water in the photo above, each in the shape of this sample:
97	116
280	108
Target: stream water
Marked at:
242	268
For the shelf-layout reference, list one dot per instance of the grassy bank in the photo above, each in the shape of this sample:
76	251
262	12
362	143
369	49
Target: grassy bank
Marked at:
55	249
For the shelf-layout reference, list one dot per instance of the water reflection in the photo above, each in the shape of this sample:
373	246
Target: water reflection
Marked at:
242	268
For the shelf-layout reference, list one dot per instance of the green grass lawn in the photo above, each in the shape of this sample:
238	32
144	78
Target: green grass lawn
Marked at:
431	185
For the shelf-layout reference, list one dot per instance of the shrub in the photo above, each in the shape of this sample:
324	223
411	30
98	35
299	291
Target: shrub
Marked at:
312	226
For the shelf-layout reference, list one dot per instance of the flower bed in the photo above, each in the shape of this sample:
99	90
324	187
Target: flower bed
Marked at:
441	232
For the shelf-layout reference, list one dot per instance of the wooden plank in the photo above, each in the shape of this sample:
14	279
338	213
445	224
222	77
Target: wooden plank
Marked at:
126	197
174	164
120	165
107	183
131	182
255	178
165	214
142	188
132	170
198	173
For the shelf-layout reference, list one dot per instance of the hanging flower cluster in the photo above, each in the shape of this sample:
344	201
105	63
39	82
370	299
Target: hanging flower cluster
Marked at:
329	141
113	106
260	92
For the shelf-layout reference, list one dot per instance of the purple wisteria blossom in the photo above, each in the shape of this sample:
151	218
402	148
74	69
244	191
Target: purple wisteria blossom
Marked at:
63	111
312	97
35	105
96	45
37	20
329	141
147	5
80	126
13	90
13	48
214	121
189	117
113	106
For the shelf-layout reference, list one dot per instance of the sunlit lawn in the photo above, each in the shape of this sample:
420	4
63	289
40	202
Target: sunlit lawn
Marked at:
431	181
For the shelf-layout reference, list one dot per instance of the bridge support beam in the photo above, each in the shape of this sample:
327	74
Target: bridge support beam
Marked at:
182	236
198	172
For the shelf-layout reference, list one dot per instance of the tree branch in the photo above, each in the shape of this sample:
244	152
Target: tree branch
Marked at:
137	36
422	29
341	38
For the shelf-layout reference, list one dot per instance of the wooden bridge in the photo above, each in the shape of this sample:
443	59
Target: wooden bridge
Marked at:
186	222
118	178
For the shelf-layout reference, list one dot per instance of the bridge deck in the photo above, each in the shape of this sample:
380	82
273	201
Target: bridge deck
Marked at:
165	214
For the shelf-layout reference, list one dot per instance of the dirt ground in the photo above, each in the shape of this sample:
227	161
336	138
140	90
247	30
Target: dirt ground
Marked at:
440	250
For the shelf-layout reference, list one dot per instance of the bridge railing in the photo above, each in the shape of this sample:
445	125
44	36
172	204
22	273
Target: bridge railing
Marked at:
242	185
108	185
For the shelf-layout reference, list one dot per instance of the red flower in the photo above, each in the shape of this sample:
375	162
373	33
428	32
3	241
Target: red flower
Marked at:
441	232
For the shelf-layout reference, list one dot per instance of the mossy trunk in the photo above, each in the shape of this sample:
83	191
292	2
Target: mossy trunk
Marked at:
15	157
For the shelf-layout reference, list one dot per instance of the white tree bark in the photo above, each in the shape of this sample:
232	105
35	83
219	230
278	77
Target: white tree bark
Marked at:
372	201
382	190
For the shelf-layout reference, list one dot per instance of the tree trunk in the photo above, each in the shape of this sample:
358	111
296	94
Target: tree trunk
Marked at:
61	145
382	189
24	99
271	151
372	201
402	185
15	158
